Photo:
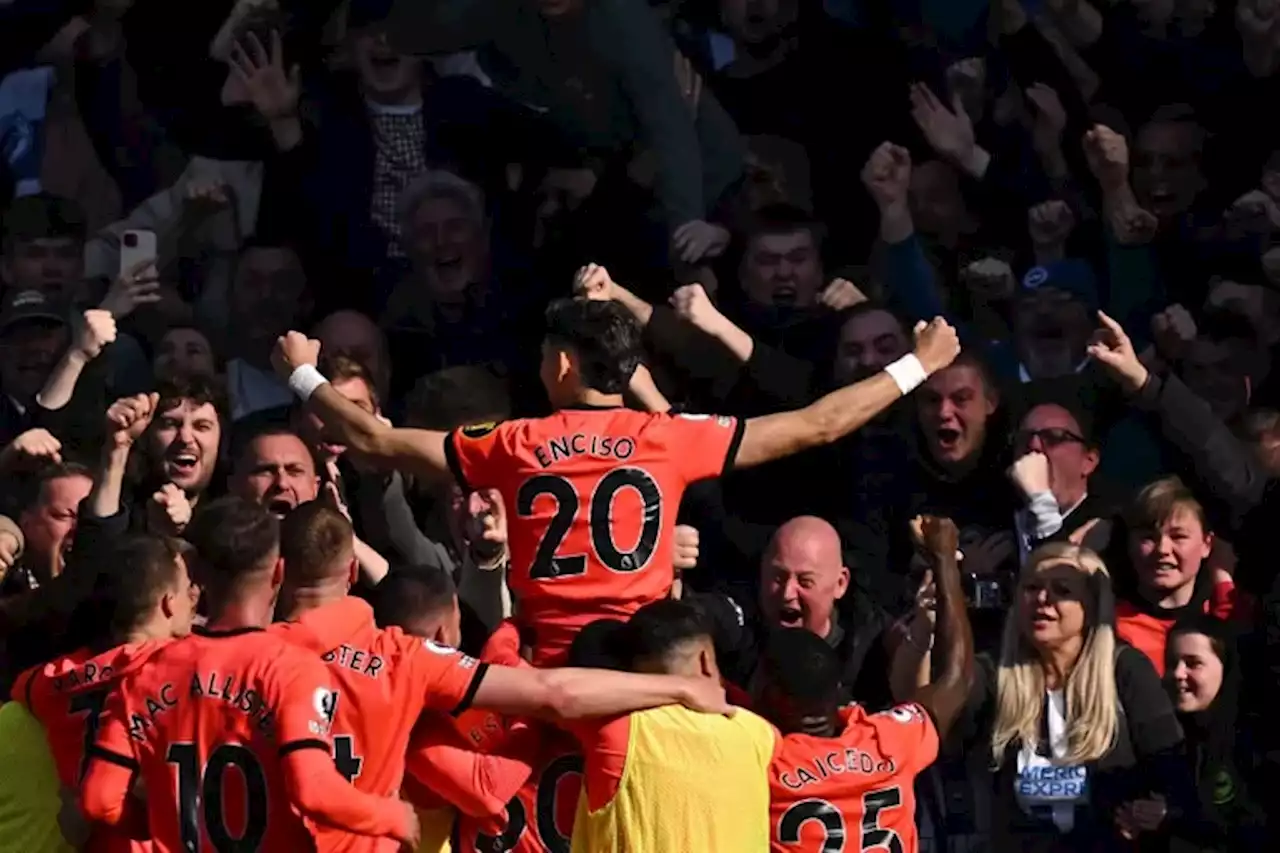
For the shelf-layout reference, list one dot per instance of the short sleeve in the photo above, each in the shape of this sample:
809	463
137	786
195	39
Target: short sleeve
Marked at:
476	455
302	698
1151	721
445	678
907	735
113	743
707	444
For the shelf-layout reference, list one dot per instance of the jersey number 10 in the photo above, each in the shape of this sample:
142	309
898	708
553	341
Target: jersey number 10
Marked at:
548	563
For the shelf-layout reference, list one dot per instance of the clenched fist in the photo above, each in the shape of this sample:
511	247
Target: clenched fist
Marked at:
129	417
887	174
1050	223
1173	330
937	344
692	305
1030	473
169	510
1107	153
686	547
593	282
94	330
293	350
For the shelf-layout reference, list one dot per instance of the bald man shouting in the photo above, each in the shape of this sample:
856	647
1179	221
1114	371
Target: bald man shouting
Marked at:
802	577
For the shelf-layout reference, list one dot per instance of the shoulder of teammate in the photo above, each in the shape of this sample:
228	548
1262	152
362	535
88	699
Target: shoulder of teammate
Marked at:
906	733
503	645
708	443
300	695
445	678
477	453
327	627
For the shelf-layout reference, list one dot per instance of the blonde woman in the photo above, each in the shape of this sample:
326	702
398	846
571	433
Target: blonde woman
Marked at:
1085	743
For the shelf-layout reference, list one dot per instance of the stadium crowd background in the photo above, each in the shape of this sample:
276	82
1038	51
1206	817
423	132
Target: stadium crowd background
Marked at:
426	422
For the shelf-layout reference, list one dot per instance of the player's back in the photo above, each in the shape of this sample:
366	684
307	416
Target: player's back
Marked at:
202	720
539	819
591	497
67	695
862	781
383	679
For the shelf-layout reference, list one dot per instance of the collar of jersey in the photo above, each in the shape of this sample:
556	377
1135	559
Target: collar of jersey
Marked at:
588	407
233	632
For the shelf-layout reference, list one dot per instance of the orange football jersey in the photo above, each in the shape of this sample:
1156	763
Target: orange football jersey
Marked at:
67	696
206	724
385	679
539	818
859	783
591	496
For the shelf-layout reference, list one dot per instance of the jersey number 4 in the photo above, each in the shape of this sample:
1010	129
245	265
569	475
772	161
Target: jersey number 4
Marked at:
549	563
200	797
875	839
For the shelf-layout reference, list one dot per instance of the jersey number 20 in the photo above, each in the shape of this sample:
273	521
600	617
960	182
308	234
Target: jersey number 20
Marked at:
548	563
875	839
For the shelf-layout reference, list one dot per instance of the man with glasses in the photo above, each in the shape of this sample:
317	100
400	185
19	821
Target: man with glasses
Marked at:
1054	458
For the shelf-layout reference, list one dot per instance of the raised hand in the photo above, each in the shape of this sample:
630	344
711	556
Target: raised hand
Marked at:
1031	474
937	344
94	330
293	350
129	417
948	131
841	294
594	282
1173	330
1050	223
936	535
887	175
201	199
1050	117
692	305
1112	349
1132	226
989	280
34	444
1107	154
138	285
169	510
698	240
273	92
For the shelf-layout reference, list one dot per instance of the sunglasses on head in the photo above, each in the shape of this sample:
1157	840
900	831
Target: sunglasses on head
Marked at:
1049	437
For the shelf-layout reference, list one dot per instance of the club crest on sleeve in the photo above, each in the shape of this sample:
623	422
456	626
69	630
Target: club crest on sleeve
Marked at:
479	430
325	703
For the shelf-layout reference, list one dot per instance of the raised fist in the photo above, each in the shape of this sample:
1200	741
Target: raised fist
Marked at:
94	330
887	174
1050	223
686	547
169	510
1173	330
1031	474
937	344
1107	153
593	282
129	417
692	304
293	350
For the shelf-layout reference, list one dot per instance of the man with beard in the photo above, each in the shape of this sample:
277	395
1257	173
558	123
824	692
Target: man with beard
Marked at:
183	440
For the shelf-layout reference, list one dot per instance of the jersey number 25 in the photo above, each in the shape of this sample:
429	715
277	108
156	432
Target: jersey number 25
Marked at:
875	839
548	563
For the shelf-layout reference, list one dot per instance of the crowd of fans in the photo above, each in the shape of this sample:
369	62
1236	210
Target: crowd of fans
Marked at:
437	422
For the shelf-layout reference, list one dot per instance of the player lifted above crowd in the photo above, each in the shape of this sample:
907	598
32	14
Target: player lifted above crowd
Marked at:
592	490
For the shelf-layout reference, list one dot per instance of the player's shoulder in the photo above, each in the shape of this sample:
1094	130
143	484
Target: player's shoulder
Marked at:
858	721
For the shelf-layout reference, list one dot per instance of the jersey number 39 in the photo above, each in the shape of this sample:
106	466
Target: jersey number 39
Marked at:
549	563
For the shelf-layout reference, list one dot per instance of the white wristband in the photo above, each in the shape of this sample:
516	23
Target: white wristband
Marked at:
908	373
304	381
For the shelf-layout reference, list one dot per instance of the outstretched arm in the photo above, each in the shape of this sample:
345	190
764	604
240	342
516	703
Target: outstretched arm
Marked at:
420	451
945	697
839	413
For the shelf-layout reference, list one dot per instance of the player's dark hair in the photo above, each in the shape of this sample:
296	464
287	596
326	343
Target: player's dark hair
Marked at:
600	645
136	570
803	667
315	544
196	390
234	539
605	338
658	630
409	593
